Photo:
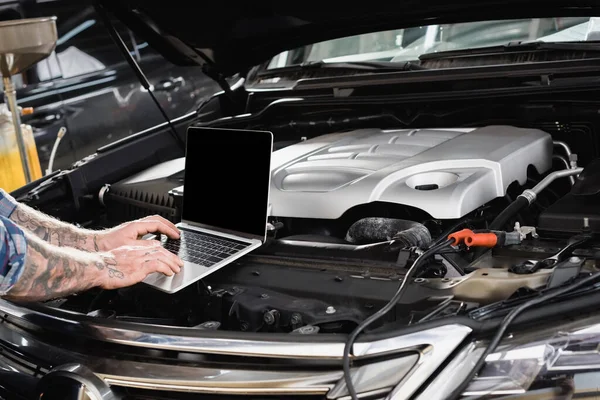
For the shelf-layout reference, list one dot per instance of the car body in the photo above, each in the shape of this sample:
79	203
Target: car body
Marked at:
88	72
377	168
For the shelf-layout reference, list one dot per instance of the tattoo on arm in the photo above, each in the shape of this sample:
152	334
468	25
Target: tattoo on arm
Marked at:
52	272
111	265
54	231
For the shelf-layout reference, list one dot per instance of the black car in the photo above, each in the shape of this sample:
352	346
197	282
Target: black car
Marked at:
432	224
87	76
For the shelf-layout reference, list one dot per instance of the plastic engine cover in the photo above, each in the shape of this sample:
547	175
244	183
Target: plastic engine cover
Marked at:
445	172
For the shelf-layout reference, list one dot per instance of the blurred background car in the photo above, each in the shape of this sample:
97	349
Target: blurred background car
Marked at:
87	76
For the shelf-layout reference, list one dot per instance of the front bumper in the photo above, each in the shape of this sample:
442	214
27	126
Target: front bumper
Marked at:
75	354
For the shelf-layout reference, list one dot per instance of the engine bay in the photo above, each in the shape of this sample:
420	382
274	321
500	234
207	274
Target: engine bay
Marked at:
351	211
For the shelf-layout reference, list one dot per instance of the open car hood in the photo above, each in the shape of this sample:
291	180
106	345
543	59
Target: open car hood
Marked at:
229	38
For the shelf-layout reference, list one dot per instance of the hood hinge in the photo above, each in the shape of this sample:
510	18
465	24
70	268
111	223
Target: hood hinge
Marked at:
213	73
237	99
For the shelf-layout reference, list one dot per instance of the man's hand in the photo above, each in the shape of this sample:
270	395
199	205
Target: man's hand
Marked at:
129	233
128	265
50	272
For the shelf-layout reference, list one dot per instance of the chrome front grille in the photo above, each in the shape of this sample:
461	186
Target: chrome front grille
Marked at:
149	394
396	366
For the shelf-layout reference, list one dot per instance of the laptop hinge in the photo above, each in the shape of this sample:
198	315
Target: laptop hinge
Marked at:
188	224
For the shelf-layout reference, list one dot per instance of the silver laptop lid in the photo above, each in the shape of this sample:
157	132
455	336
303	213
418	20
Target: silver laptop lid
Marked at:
227	180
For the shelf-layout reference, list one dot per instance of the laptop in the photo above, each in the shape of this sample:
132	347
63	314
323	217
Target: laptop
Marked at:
225	202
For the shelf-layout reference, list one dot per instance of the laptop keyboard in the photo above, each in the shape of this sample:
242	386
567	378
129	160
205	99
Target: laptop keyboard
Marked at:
203	248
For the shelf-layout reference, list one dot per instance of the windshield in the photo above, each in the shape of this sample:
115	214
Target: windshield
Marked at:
409	44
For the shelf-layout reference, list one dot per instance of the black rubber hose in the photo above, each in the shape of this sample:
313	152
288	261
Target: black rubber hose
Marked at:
509	212
374	229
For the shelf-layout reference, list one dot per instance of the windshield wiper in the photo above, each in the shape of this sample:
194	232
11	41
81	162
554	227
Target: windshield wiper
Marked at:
367	66
513	47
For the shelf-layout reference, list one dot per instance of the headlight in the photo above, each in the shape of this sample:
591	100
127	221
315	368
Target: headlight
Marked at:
560	362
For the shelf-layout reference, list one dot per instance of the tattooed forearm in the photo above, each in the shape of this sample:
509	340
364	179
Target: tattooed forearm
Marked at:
52	272
54	231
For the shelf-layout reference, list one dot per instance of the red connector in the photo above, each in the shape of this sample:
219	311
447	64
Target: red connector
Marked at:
460	236
484	238
488	240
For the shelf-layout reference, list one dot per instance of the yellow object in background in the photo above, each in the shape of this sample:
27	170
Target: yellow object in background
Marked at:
32	154
12	175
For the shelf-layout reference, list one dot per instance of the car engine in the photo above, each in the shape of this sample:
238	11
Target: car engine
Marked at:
349	213
445	173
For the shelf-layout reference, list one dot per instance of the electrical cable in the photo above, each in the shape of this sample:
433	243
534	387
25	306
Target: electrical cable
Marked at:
451	229
61	133
381	312
510	317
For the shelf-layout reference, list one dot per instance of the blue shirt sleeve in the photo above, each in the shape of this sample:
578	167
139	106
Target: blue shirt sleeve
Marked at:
7	204
13	248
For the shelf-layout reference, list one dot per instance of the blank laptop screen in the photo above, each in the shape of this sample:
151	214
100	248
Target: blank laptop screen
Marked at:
227	176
